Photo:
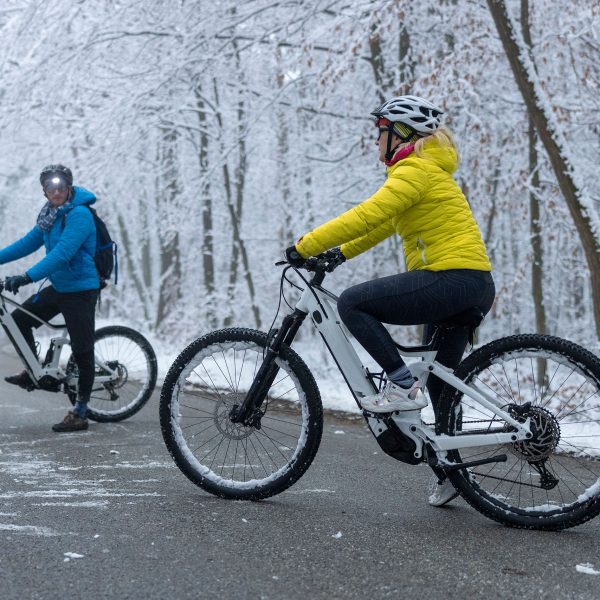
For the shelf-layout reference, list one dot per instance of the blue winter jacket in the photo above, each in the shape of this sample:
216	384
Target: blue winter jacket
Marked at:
70	247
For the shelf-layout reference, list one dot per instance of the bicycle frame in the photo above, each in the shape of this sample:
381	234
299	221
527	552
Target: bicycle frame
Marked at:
50	368
320	305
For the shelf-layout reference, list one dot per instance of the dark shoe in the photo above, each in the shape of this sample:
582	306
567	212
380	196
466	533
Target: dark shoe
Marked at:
72	422
22	380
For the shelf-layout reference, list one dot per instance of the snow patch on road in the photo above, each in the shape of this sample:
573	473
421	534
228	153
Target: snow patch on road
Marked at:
53	481
70	493
587	568
130	465
26	468
83	504
28	529
315	491
71	555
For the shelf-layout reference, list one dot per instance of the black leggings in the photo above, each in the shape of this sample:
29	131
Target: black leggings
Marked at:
79	311
415	298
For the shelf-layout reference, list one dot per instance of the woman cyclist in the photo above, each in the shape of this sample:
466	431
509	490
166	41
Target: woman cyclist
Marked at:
448	270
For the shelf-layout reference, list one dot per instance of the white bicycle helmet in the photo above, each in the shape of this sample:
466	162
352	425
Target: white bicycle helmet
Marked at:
419	114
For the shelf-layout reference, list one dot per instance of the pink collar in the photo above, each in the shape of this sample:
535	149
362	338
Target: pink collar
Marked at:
403	153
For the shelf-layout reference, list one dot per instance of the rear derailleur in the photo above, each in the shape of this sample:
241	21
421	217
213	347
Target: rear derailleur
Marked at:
547	480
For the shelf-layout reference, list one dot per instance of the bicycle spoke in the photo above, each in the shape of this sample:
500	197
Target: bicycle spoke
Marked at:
236	453
550	474
125	368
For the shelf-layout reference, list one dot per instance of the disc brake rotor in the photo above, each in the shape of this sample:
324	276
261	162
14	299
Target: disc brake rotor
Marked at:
221	414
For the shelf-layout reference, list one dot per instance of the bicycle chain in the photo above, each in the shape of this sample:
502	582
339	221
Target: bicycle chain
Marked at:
479	421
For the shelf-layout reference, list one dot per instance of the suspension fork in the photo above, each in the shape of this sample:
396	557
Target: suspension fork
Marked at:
248	412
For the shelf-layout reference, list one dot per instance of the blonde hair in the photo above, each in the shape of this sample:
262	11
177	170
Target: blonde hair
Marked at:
440	137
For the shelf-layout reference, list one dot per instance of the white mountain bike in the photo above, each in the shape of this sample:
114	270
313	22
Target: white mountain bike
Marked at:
517	429
125	369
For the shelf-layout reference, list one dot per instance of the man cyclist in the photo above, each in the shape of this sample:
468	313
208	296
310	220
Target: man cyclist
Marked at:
448	270
65	227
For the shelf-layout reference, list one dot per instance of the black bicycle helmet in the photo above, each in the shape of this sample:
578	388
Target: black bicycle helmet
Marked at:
56	171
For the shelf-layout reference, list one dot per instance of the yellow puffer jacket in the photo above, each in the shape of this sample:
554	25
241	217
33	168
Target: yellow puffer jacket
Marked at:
422	203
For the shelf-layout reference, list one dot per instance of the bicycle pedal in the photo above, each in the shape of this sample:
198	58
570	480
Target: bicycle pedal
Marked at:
49	383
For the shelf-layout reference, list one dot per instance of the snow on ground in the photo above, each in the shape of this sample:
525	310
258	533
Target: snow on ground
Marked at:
587	568
40	482
28	529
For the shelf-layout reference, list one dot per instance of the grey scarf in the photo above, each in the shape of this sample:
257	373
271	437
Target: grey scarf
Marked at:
48	215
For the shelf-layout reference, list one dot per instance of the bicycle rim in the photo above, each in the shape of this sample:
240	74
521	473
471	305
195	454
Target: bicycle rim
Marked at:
132	362
230	459
553	480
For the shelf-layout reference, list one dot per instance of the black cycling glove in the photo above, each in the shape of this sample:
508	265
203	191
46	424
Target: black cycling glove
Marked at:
13	283
335	258
294	257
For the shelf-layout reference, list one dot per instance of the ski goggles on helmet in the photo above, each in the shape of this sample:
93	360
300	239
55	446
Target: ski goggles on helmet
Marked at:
404	132
382	122
382	125
55	184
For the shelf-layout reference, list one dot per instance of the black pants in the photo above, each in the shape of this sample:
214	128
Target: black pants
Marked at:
79	311
415	298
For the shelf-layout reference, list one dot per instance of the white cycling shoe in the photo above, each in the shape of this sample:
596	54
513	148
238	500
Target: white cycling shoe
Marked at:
441	493
393	397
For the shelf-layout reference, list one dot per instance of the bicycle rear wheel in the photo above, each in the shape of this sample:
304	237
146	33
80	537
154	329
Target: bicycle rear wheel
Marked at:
229	459
552	481
129	354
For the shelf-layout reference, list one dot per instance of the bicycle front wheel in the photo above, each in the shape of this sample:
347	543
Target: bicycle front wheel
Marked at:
551	481
228	459
131	358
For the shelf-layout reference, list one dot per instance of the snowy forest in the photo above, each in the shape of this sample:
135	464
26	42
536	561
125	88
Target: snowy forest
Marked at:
216	133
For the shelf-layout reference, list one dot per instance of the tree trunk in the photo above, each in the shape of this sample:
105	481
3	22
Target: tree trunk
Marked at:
527	81
537	265
287	235
493	211
133	272
208	260
170	255
376	61
407	67
235	211
384	84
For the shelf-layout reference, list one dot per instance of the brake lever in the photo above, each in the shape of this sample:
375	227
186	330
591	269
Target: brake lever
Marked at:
311	264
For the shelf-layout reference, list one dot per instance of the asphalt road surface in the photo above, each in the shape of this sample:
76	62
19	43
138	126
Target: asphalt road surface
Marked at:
106	514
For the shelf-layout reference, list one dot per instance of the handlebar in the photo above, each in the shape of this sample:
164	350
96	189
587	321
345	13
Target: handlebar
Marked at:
323	263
